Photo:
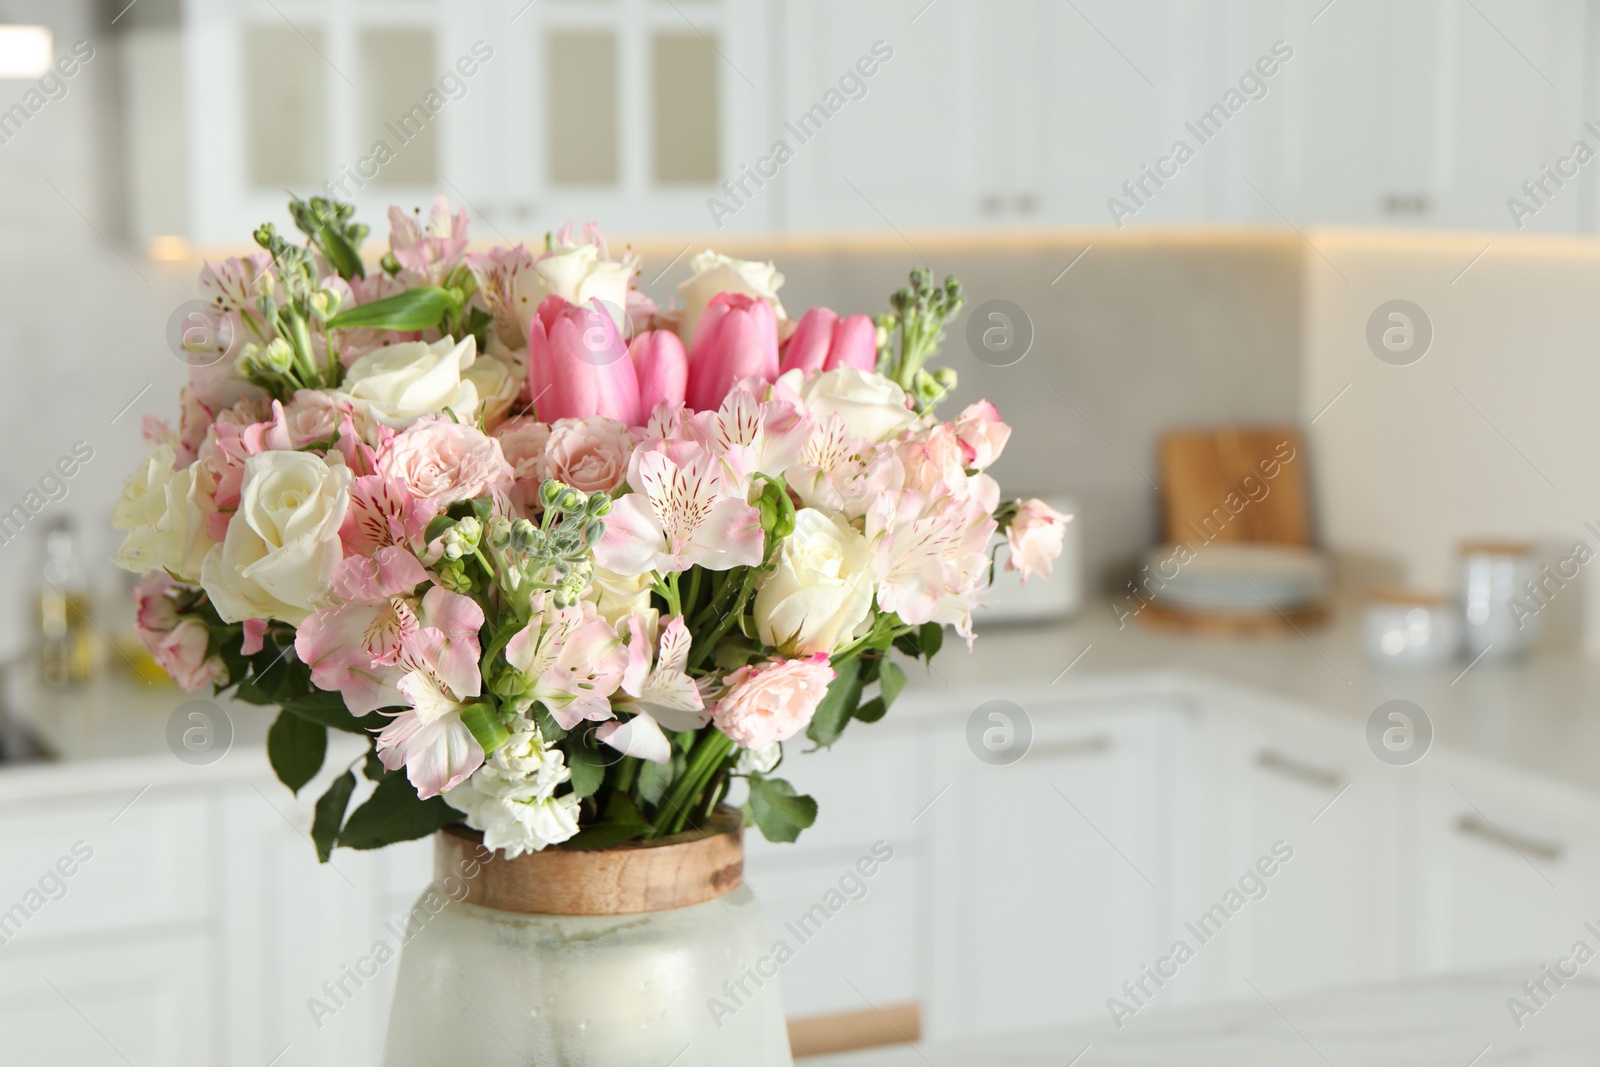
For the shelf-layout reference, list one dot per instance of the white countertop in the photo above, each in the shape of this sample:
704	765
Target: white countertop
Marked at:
1434	1022
1541	714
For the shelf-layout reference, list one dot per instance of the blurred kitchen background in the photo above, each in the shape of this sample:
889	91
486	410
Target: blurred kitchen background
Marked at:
1368	225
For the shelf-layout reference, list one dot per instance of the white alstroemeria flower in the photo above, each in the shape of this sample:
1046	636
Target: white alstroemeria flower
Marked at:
664	695
677	517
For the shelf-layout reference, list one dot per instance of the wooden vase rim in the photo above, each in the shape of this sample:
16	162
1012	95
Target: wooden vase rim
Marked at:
678	871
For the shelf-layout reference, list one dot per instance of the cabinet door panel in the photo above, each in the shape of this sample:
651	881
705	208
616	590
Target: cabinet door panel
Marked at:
1052	881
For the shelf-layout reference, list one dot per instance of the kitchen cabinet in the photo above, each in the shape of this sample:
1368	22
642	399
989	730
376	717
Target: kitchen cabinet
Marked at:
1509	867
1051	878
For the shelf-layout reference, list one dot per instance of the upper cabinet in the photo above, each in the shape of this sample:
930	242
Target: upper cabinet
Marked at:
705	116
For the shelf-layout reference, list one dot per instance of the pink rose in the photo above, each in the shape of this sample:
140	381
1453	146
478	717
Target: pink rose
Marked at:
772	702
154	612
442	461
182	654
523	440
589	454
313	415
981	433
1035	538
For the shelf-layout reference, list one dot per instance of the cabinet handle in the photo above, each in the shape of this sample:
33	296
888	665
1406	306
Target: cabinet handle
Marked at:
1092	745
1472	826
1270	760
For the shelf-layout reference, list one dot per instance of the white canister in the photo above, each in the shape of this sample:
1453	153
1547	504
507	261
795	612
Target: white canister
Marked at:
1405	629
1492	576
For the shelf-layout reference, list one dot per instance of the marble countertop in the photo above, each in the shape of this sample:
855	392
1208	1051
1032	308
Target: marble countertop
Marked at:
1457	1021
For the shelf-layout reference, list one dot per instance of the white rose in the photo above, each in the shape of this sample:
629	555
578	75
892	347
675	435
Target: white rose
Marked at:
820	590
164	512
498	382
401	383
282	545
871	405
577	274
716	273
616	596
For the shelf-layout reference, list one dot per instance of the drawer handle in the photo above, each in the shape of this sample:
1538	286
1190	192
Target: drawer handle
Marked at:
1078	746
1481	829
1270	760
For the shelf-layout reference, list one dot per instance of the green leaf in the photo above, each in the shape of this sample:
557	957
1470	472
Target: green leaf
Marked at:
891	681
330	814
483	719
436	528
656	778
373	767
393	813
622	822
328	709
932	637
779	812
872	710
421	308
844	693
296	747
588	768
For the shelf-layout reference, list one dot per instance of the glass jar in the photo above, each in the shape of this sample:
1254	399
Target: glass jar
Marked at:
646	954
65	640
1493	574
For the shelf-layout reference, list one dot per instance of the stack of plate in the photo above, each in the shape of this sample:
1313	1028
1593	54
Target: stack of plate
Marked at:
1235	579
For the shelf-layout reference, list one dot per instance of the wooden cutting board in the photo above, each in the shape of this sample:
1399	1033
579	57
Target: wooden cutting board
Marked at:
1234	485
1240	484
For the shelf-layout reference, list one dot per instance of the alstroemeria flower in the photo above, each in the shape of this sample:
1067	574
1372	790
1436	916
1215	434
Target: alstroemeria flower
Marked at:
571	660
931	558
431	249
753	436
429	739
680	516
660	696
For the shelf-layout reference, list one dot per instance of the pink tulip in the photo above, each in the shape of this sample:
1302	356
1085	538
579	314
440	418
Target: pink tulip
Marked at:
578	364
737	337
824	341
662	367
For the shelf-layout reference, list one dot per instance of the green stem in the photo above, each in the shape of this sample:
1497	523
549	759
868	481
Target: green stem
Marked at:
694	589
703	649
704	762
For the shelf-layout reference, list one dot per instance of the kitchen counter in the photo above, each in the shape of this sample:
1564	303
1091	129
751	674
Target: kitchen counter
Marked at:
1448	1022
1541	714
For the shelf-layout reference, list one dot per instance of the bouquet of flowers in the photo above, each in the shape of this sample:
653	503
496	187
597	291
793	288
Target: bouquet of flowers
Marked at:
572	563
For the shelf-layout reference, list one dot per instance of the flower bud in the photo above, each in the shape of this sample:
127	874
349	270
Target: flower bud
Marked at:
277	356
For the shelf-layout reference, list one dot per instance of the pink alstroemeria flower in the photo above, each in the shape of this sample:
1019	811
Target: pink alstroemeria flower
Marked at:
736	338
428	249
751	436
664	695
429	739
824	341
680	516
578	365
573	660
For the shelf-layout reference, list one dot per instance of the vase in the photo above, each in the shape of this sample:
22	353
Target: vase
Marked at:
642	954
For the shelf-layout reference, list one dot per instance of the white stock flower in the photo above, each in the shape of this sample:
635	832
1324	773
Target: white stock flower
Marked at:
403	382
511	798
282	544
820	589
716	273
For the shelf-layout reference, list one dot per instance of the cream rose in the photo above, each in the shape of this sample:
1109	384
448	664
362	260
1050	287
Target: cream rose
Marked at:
164	512
871	405
616	596
282	544
498	383
577	273
820	589
401	383
716	273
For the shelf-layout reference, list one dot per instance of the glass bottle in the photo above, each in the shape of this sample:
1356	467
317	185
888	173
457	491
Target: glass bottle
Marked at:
65	637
